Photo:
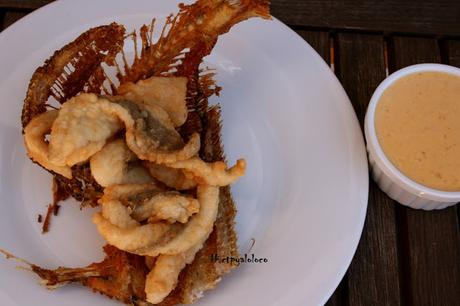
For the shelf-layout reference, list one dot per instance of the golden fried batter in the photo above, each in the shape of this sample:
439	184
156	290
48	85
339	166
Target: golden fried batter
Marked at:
174	178
215	174
199	226
37	147
81	129
116	164
166	92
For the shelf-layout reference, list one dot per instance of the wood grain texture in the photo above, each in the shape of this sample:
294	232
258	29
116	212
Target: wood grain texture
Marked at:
433	239
427	17
2	15
423	16
373	276
453	53
11	17
319	40
23	4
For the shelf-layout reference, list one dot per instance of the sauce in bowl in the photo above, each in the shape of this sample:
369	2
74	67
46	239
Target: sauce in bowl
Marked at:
417	122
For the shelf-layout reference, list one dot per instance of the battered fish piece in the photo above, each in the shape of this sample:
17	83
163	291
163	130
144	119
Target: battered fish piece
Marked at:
174	178
86	122
166	92
215	174
151	138
37	147
199	226
131	239
124	207
152	205
124	191
163	278
117	164
119	227
81	129
169	206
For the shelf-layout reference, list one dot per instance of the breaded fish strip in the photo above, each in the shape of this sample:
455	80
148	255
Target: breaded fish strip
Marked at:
174	178
166	92
81	129
162	279
115	164
215	174
37	147
125	206
199	226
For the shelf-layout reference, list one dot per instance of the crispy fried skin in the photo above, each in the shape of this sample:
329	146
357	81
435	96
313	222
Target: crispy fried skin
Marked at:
85	54
120	275
168	93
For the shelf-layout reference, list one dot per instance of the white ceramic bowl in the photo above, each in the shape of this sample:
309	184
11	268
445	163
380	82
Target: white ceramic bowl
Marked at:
394	183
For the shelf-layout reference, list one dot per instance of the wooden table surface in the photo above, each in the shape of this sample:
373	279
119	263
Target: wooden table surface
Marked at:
405	256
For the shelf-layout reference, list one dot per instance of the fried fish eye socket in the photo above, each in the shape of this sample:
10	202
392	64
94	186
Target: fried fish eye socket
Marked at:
166	92
115	163
81	129
152	138
214	174
195	231
37	147
174	178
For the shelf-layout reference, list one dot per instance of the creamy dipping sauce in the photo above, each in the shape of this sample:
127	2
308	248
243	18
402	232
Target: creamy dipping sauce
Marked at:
417	122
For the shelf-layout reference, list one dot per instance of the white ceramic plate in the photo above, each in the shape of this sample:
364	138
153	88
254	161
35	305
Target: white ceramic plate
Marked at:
303	199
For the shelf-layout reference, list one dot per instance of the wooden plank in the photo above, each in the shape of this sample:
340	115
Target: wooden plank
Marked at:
433	240
426	17
11	17
2	15
373	276
319	40
23	4
405	51
453	52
